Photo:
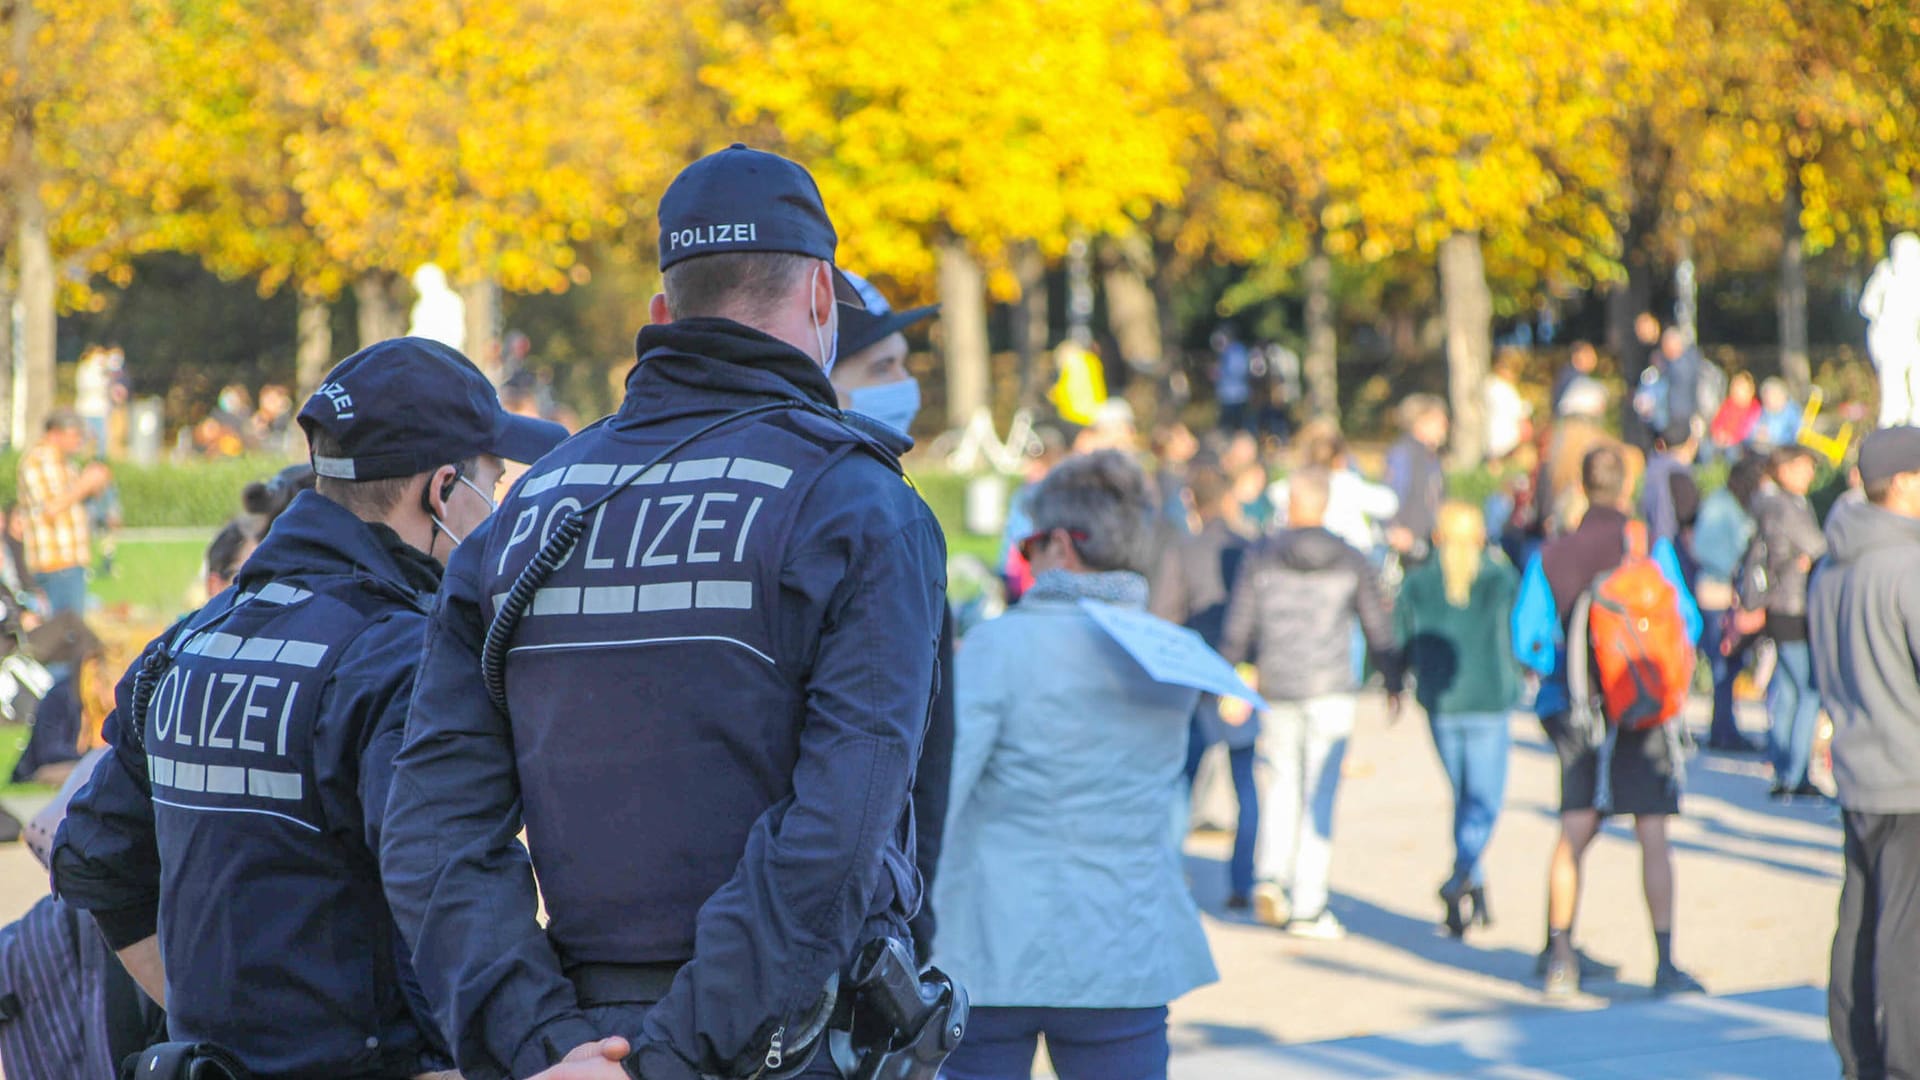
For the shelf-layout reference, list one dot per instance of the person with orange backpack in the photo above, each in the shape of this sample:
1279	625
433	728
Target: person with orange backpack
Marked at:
1603	594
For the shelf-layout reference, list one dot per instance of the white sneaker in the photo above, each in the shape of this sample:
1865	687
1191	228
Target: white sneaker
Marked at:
1270	905
1323	927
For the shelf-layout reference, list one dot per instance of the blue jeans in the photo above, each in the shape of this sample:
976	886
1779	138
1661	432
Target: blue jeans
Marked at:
1083	1044
1795	710
66	590
1246	793
1724	731
1473	751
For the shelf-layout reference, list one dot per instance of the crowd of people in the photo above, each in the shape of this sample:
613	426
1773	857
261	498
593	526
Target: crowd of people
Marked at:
770	797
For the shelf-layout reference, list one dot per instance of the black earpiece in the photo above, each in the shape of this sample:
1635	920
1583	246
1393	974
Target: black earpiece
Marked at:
446	492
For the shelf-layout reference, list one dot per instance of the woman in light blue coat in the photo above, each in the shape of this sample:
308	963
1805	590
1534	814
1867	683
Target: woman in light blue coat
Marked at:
1060	898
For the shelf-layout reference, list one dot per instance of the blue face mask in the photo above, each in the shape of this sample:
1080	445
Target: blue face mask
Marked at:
894	404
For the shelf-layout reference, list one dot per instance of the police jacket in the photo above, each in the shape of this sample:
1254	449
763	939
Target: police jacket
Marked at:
241	816
715	704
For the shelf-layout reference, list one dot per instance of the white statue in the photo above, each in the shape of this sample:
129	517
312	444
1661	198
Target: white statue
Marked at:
1891	303
439	314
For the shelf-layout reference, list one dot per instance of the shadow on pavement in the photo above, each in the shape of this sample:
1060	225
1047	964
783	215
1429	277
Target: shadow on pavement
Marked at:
1774	1035
1417	937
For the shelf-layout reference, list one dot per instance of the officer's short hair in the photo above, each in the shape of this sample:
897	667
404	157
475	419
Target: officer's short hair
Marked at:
736	285
64	420
1104	496
366	499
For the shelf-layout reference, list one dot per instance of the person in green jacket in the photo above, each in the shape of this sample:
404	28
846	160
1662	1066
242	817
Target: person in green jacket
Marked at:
1454	623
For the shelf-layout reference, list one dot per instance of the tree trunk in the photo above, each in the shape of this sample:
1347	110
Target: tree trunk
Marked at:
1029	321
963	324
1320	366
483	327
1469	312
38	324
382	297
8	428
33	385
314	353
1132	313
1795	366
1166	283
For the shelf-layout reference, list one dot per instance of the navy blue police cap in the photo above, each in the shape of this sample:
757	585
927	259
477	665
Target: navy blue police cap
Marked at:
407	405
740	199
875	320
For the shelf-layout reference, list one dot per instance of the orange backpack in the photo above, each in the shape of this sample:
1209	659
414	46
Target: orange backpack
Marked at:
1637	639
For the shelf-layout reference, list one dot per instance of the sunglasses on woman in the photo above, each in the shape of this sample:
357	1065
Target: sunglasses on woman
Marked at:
1032	543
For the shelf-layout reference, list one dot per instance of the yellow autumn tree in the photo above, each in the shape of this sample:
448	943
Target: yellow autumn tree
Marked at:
947	131
74	93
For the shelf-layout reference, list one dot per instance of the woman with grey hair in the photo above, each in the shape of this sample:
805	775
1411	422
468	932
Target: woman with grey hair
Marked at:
1060	898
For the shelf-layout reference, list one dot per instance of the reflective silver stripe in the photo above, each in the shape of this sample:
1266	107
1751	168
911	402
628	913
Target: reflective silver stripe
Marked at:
666	596
557	601
585	473
239	810
559	646
226	780
760	472
161	770
276	593
304	653
194	644
607	600
545	482
189	776
335	467
700	469
260	648
268	784
724	594
221	646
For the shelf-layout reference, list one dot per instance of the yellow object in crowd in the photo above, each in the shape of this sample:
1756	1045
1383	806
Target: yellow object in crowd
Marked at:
1081	387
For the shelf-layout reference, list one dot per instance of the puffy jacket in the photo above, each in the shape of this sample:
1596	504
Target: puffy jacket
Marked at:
715	705
241	819
1293	611
1787	542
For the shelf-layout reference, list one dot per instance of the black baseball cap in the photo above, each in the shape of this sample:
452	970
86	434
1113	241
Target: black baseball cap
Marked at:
874	320
407	405
1889	452
741	199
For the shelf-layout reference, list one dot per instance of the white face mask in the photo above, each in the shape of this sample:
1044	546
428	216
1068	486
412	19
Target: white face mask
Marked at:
827	339
894	404
484	497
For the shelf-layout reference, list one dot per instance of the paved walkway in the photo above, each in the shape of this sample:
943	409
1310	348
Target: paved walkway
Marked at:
1758	885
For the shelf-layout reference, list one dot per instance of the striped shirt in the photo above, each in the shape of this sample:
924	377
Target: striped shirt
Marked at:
56	539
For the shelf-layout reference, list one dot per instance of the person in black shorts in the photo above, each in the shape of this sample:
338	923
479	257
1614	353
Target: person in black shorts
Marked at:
1647	774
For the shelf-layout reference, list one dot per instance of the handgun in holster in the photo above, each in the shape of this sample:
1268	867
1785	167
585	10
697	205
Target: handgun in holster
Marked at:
901	1024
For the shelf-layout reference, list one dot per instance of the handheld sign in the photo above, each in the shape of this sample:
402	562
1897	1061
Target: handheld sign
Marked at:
1171	654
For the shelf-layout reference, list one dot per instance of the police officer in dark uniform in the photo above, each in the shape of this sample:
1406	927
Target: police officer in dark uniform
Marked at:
227	848
693	655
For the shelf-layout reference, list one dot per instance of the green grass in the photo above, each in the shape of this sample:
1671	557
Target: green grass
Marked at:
13	743
946	494
151	577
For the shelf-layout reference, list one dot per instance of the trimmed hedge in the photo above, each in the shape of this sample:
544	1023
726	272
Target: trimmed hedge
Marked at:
196	494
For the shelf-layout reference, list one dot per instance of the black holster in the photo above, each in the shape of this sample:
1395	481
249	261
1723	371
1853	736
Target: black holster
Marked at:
184	1061
903	1023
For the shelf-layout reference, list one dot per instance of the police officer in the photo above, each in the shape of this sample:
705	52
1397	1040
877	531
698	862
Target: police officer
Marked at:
707	713
227	848
871	378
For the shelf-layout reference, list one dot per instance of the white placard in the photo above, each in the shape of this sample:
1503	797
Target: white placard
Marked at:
1171	654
